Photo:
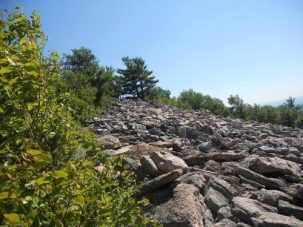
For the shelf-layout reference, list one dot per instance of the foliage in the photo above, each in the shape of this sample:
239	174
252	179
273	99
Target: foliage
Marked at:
89	84
43	179
237	108
159	95
137	80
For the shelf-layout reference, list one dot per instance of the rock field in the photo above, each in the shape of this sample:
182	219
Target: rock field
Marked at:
198	169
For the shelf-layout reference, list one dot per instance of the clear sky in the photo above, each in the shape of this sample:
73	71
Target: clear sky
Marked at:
253	48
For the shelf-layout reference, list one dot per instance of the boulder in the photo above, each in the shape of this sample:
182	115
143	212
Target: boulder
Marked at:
224	213
225	222
109	142
288	209
160	181
213	166
184	209
267	219
251	175
208	219
245	209
149	166
296	190
195	178
215	200
223	187
274	165
272	197
167	162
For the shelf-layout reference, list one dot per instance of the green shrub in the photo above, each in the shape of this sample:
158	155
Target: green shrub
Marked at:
43	180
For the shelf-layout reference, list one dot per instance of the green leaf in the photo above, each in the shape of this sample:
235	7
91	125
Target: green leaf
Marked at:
23	40
7	195
11	61
42	180
18	6
12	218
88	163
30	106
80	200
5	70
60	174
34	152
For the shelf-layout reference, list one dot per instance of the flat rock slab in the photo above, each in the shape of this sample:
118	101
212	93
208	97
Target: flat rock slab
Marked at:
249	174
184	209
160	181
264	165
109	142
267	219
289	209
215	200
167	162
245	209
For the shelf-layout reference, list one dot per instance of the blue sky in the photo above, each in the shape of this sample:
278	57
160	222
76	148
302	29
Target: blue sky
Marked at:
253	48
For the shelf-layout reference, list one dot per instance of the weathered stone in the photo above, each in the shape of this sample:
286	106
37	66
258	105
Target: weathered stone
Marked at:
215	200
163	144
185	208
208	219
224	213
245	209
268	182
205	146
149	166
226	156
272	197
109	142
160	181
267	219
167	162
274	165
224	223
213	166
286	208
296	190
223	187
196	179
223	131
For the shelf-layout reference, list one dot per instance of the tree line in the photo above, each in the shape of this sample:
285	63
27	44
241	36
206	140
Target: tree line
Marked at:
92	87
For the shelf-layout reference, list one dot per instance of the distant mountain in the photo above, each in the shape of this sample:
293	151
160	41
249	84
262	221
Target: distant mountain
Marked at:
298	101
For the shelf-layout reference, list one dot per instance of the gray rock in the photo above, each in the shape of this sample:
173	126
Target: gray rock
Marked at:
267	219
205	146
224	213
184	209
208	219
215	200
108	142
223	187
272	197
274	165
213	166
223	131
224	223
242	224
245	209
167	162
290	210
196	179
296	190
160	181
268	182
149	166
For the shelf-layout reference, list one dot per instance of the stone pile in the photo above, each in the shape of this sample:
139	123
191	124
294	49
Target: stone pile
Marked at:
198	169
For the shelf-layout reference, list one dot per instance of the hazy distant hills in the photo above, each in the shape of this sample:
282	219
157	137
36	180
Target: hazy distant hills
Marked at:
298	101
